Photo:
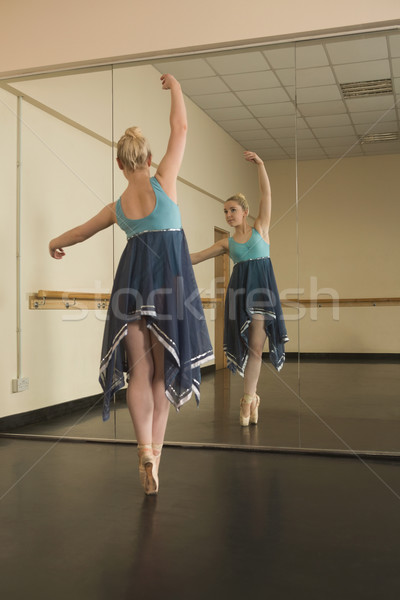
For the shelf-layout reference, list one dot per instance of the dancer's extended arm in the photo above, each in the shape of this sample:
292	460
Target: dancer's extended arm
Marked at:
102	220
217	249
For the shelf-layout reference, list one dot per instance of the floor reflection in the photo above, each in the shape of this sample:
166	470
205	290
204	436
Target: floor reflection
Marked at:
338	405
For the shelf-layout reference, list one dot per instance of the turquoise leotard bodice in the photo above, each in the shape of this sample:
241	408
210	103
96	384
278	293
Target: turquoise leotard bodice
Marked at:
255	247
166	214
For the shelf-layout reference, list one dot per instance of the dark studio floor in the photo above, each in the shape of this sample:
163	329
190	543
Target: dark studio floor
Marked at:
226	524
240	513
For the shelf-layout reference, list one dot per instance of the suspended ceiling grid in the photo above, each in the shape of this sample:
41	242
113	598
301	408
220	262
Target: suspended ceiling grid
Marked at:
251	95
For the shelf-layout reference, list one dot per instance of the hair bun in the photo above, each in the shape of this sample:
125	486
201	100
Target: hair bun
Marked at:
133	149
134	132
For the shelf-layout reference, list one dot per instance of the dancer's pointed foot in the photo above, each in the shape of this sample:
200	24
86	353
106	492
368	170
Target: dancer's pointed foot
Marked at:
147	469
244	415
254	410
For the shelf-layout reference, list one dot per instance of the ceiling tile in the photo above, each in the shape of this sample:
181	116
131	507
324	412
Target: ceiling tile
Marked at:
260	144
310	55
396	67
240	125
273	109
318	94
314	77
372	116
322	108
288	144
304	134
381	103
351	51
251	135
280	58
344	151
365	71
185	69
291	90
381	127
240	62
278	121
273	155
308	143
264	96
286	76
223	114
345	141
394	44
204	85
251	81
323	132
329	120
216	100
311	154
282	133
301	123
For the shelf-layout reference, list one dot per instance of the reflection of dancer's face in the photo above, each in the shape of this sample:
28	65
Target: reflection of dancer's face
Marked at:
234	213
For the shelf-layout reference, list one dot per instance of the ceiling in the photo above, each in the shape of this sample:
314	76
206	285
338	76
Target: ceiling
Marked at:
252	95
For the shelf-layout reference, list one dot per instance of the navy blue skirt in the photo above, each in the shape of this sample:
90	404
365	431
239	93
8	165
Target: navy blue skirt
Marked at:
155	281
252	290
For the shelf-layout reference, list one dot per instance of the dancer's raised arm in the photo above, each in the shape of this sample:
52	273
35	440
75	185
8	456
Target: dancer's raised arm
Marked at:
169	166
263	219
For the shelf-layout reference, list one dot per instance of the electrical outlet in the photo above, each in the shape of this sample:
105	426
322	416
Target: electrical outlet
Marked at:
20	385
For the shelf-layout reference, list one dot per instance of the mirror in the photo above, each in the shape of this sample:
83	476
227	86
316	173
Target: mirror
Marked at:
235	101
65	153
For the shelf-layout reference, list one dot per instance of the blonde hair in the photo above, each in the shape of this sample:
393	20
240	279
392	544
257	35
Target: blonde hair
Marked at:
240	199
133	149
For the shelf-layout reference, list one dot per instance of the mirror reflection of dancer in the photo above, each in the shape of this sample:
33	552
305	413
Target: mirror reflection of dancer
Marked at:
252	307
155	329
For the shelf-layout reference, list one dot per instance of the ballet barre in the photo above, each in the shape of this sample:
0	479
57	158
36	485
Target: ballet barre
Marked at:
66	300
56	300
341	302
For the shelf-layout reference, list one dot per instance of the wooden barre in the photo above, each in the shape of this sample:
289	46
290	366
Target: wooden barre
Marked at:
341	302
56	300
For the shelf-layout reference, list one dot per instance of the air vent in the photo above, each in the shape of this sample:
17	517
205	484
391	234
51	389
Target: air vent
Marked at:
371	138
365	89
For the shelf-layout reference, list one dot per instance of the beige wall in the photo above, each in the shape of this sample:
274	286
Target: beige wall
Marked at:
348	216
50	32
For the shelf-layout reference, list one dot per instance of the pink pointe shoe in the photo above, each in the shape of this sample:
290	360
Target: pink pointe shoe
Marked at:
252	417
147	469
254	412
